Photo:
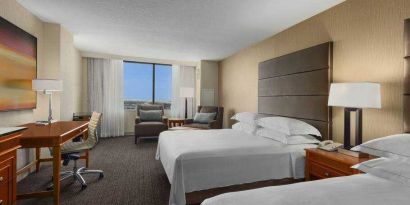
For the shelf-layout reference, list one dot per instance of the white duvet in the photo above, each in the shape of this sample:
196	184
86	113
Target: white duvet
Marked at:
363	189
203	159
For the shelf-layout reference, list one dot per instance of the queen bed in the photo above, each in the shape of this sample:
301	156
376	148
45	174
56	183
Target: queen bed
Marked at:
203	163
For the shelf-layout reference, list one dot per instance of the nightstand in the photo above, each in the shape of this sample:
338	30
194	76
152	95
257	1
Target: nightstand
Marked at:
322	164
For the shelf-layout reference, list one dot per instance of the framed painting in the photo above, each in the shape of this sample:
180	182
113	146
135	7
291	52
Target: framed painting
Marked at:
18	67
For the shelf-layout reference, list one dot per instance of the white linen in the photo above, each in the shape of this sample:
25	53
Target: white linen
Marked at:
301	139
392	169
202	159
245	127
288	126
272	134
363	189
246	117
393	146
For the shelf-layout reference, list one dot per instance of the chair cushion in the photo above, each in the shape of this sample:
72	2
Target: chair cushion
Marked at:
150	115
149	128
204	118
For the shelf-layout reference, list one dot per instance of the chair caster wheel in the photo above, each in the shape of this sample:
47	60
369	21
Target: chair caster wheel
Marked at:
83	187
101	176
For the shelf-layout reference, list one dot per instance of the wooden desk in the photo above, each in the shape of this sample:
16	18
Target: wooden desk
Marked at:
54	135
9	143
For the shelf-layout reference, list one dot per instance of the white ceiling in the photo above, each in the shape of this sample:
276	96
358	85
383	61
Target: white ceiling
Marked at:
184	30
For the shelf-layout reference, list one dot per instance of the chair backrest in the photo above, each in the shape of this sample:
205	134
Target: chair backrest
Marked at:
93	130
213	109
150	107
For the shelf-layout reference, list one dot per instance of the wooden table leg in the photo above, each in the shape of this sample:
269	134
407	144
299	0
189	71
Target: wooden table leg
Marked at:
56	174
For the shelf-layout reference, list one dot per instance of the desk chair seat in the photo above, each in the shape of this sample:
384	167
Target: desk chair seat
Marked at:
70	152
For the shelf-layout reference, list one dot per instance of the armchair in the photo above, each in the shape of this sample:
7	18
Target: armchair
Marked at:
149	128
214	124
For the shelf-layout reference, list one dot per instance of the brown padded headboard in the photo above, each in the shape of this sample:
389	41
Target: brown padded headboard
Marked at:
406	86
297	85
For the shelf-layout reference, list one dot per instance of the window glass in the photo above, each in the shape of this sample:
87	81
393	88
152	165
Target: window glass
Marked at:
137	84
163	85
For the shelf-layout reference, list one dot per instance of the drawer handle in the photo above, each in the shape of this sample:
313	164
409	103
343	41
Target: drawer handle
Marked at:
1	179
1	202
326	174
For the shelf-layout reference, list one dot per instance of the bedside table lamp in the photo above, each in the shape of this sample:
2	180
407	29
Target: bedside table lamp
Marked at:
354	97
186	92
47	87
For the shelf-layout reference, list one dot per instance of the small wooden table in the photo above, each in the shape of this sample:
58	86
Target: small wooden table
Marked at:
53	135
321	164
175	122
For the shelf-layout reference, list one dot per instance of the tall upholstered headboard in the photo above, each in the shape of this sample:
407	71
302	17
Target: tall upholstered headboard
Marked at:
406	84
297	85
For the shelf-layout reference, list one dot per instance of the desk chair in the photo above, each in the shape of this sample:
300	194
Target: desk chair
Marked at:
70	151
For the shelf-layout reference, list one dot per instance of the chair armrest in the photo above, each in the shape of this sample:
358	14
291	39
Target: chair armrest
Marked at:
213	124
137	120
165	120
189	121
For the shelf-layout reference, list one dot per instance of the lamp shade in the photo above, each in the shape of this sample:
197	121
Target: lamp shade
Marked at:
355	95
186	92
47	85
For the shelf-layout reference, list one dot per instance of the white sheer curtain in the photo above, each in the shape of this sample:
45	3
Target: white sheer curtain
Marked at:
182	76
105	94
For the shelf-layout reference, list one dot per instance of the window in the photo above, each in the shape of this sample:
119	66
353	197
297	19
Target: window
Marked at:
147	83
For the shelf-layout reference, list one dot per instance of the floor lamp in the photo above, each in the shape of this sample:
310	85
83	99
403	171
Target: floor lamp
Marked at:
47	87
186	92
354	97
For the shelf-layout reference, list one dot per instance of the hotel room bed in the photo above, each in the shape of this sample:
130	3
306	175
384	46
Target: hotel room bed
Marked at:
204	159
334	191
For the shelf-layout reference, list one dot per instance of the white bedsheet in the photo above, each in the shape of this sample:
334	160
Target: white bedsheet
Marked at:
203	159
362	189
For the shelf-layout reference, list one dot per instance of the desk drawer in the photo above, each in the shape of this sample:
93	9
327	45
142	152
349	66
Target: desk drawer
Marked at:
6	182
323	171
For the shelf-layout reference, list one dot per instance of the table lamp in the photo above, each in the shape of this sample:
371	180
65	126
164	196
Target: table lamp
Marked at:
186	92
354	97
47	87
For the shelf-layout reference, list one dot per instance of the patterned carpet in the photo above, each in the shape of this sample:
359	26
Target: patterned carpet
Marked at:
131	177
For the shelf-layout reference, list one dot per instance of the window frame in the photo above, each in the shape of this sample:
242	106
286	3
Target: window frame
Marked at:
153	74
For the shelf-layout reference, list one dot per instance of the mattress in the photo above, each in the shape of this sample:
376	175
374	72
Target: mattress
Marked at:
197	160
363	189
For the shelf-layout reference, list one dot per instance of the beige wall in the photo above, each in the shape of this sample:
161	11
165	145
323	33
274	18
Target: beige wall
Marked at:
48	66
368	46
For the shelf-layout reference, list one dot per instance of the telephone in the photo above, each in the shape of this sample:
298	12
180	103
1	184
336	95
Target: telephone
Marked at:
329	145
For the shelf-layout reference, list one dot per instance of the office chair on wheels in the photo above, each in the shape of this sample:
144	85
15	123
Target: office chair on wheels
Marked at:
70	152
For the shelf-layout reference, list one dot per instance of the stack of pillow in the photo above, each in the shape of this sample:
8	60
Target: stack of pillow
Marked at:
394	161
282	129
246	122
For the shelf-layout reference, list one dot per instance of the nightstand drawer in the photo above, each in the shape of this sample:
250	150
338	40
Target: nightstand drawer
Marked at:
331	162
323	171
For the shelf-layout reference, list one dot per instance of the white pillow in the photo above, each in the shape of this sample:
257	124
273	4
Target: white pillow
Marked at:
245	127
272	134
397	170
286	139
393	146
246	117
301	139
288	126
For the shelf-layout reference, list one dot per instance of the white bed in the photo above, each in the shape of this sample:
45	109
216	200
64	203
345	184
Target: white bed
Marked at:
197	160
363	189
